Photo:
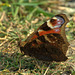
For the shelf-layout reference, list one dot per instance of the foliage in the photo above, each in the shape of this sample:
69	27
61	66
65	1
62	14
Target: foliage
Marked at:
18	19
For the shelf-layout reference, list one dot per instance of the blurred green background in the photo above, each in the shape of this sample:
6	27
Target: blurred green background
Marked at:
18	19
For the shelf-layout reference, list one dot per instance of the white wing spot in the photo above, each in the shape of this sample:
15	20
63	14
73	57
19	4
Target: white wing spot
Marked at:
49	24
40	30
56	30
59	22
54	18
58	19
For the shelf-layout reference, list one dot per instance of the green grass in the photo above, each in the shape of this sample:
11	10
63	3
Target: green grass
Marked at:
17	20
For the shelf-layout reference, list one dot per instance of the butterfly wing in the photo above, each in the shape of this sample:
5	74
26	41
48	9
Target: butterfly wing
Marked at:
47	47
49	41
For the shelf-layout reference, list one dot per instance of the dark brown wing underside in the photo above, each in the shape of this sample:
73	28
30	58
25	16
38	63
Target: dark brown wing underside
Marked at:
50	47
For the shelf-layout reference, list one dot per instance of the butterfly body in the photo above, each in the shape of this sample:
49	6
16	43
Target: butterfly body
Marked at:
48	42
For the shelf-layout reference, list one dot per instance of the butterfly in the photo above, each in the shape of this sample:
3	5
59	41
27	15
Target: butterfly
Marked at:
48	42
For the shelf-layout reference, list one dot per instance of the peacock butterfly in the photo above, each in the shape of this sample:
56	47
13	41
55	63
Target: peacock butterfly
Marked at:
48	42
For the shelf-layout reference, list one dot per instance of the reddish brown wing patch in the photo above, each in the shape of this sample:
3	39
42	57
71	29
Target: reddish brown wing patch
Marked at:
34	37
53	22
44	32
48	32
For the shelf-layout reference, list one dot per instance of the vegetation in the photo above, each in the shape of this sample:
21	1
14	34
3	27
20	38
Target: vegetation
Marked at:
22	17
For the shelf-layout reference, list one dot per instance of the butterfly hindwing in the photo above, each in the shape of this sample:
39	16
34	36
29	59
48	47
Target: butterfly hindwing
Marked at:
47	47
